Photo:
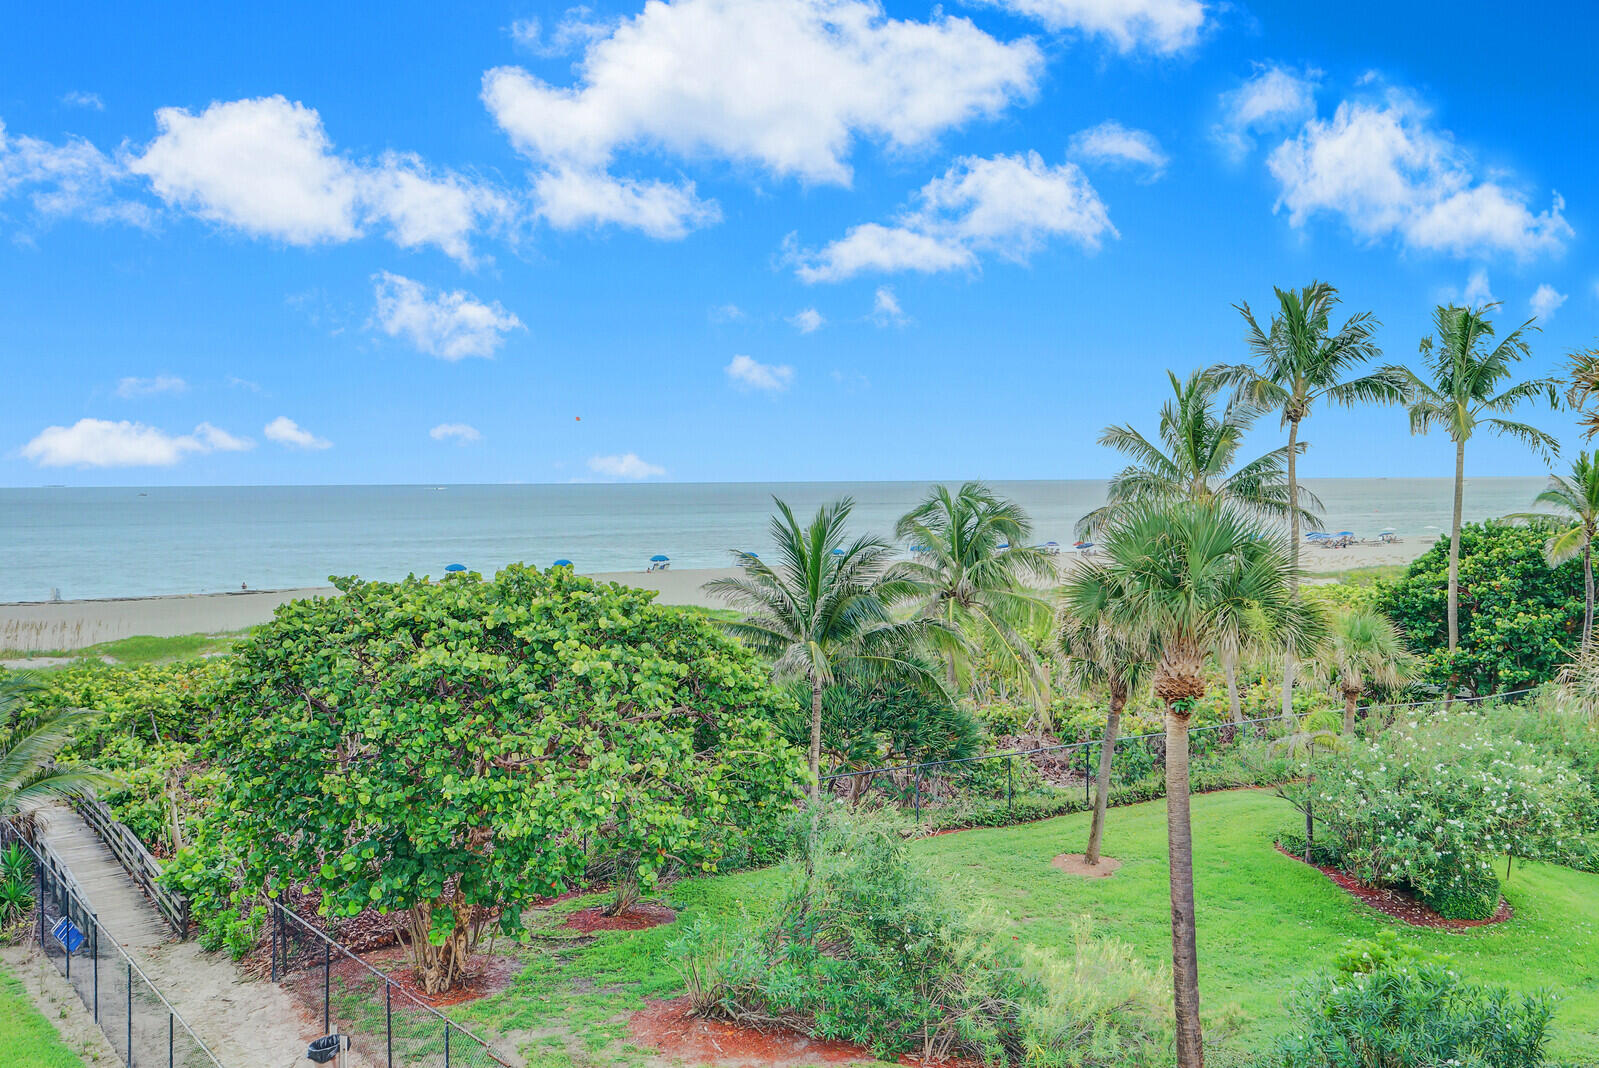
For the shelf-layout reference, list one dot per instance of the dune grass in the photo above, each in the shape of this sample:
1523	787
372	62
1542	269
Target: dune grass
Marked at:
142	649
27	1040
1265	922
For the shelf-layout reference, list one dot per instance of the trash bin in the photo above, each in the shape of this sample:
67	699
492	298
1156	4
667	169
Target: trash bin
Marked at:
326	1049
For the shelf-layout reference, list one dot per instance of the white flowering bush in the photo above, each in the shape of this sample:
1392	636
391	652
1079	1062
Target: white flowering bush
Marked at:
1431	806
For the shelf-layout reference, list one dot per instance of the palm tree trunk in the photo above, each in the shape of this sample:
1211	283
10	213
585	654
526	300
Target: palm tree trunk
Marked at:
1351	698
1454	546
1587	592
1107	754
816	741
1293	557
1235	708
1180	846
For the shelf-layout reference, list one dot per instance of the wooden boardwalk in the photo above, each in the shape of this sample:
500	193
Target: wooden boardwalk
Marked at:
123	910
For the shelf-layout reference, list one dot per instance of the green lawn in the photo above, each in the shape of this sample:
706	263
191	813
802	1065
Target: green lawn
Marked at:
1264	921
27	1039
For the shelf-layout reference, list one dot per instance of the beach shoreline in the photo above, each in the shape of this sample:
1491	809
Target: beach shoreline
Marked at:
64	626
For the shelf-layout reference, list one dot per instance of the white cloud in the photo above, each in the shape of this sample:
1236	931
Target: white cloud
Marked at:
578	27
1163	26
1546	300
885	308
286	431
460	433
1273	98
266	167
77	98
73	178
1387	172
788	86
103	443
726	313
1477	291
807	320
627	465
1005	205
134	388
1113	144
747	373
451	325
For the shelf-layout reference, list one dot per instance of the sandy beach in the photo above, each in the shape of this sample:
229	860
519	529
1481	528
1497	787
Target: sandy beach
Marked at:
69	625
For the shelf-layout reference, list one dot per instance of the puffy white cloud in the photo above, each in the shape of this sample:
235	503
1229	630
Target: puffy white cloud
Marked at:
134	388
77	98
460	433
103	443
576	27
1273	98
807	320
784	85
1477	291
747	373
1113	144
451	325
73	178
1546	300
1005	205
1387	172
627	465
885	308
1162	26
266	167
286	431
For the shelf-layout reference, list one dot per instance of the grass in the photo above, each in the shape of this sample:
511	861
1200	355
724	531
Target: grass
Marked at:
27	1039
1264	920
1366	576
144	649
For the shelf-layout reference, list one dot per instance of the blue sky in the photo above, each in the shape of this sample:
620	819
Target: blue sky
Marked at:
755	240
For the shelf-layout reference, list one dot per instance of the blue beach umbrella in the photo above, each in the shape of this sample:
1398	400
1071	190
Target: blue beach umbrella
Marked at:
562	563
659	559
918	548
838	552
1346	533
455	567
1004	545
1052	545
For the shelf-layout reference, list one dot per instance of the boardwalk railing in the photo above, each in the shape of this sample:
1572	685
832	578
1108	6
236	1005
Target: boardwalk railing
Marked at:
137	860
141	1025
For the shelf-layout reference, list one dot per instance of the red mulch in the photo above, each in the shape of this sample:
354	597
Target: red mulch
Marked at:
486	974
637	918
667	1026
1401	906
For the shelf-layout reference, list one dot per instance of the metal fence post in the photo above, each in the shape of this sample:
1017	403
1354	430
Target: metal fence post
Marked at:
170	1029
918	813
130	1014
38	867
446	1043
1085	775
388	1019
275	932
1009	790
94	950
327	985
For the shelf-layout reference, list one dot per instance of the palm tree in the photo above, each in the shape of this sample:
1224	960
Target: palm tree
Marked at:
1194	460
29	742
1100	654
1464	394
1575	498
824	611
1363	651
1299	360
973	571
1196	577
1582	386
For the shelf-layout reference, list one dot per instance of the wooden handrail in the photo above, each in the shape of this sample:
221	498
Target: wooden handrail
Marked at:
137	860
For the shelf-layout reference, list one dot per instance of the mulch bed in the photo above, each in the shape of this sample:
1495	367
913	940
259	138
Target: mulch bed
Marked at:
1401	906
486	974
638	918
666	1026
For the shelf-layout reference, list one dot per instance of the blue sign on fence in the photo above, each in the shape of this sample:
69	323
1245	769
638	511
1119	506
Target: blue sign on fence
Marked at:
66	932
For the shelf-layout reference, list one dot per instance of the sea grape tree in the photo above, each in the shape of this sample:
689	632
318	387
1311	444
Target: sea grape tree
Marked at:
456	749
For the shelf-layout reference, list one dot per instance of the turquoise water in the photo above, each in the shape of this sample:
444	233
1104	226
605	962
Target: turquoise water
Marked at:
131	542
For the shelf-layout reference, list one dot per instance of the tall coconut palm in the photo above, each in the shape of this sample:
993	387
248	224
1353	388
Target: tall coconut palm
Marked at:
29	742
1574	500
972	569
1464	394
1100	654
1582	387
1300	359
1363	651
1195	459
1196	577
825	610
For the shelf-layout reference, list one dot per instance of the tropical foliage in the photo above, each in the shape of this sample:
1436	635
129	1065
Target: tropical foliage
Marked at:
30	739
1572	508
1363	653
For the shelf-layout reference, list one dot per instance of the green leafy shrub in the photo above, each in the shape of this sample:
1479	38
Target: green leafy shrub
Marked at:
866	726
16	889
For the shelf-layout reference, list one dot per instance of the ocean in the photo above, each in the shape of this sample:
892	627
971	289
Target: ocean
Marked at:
86	543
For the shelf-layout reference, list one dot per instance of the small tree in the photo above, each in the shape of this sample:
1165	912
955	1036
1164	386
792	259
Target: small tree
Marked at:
30	738
1363	652
450	749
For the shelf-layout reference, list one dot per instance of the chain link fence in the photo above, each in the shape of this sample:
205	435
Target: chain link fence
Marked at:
141	1025
388	1027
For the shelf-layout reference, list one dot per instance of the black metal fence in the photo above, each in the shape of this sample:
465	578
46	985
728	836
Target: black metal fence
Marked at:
1062	776
141	1025
388	1027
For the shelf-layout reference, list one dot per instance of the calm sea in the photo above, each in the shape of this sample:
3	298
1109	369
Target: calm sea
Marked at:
132	542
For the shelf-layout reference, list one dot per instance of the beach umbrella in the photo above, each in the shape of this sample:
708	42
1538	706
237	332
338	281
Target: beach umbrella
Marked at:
1052	545
1315	534
918	548
1346	533
838	552
455	567
562	563
1078	544
659	559
1004	545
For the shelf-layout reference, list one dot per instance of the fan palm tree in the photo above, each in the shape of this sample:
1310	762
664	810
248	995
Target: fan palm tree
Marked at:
29	742
825	610
972	570
1098	653
1464	394
1194	459
1195	577
1575	502
1300	359
1363	652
